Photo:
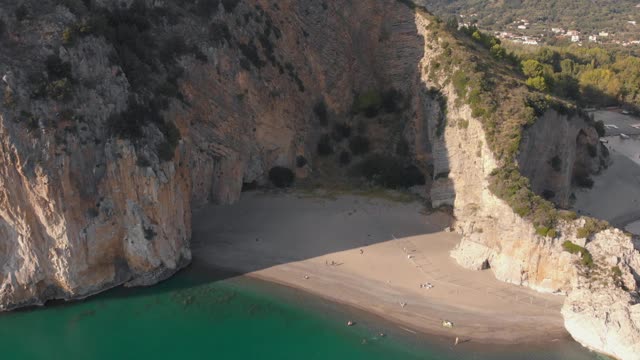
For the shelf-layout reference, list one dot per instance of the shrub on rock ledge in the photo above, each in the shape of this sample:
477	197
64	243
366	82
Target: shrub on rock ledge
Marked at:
324	145
320	109
359	145
389	172
301	161
345	158
281	177
585	255
591	227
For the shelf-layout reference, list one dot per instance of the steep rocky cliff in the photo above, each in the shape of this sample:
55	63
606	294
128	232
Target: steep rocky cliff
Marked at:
118	118
599	268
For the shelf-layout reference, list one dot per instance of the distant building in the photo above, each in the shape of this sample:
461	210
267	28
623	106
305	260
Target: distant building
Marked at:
522	27
531	42
603	34
575	38
573	33
632	22
557	30
593	38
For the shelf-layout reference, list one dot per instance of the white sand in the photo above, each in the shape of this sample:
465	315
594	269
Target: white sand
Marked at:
285	238
615	196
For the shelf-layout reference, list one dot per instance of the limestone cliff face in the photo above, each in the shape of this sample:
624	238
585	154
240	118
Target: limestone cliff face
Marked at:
82	211
601	310
493	234
555	150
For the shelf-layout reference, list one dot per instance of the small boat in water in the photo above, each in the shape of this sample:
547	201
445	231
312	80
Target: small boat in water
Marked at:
624	136
447	324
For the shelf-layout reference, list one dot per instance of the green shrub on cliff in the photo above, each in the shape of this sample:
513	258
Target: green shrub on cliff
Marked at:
460	82
500	99
320	109
389	171
546	231
538	83
372	102
59	89
325	148
585	256
368	103
508	184
591	227
359	145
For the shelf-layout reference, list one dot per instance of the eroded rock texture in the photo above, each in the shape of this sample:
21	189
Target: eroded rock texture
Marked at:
83	209
89	201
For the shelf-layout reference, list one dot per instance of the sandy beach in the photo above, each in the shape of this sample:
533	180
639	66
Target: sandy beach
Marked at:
614	196
373	254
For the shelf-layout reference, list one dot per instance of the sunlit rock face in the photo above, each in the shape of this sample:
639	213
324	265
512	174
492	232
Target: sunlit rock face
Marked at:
83	210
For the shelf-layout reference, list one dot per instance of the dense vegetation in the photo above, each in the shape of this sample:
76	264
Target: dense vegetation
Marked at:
148	46
281	177
352	140
591	227
585	256
591	76
582	15
147	55
389	171
485	76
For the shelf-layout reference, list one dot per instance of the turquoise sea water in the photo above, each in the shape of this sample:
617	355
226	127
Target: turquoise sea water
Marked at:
197	316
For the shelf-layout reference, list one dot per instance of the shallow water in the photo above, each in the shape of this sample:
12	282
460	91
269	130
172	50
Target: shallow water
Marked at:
193	316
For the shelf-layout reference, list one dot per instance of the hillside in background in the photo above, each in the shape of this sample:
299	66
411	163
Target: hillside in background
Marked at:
581	15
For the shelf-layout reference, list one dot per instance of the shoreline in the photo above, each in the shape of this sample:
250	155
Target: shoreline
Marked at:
291	241
437	334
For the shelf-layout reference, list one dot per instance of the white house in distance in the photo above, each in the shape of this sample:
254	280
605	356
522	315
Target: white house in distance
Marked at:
575	38
593	38
557	30
603	34
573	33
633	22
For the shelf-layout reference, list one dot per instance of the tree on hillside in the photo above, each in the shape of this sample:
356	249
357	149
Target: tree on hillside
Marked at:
532	68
